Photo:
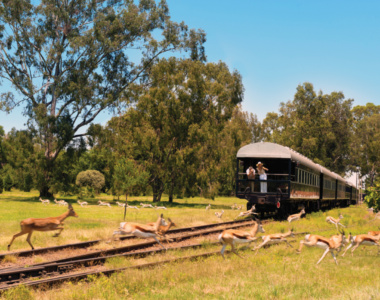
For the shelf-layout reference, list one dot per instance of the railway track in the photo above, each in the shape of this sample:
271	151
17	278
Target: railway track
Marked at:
46	272
66	269
94	242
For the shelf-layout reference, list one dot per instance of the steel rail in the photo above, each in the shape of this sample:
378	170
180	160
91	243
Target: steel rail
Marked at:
84	275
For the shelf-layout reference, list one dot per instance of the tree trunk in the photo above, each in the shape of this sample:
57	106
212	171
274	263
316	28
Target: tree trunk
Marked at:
158	189
171	192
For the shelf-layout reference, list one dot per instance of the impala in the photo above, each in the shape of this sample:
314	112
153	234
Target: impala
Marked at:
81	203
146	205
120	204
100	203
44	224
336	222
140	230
330	245
208	207
363	239
296	217
275	238
247	213
234	236
45	201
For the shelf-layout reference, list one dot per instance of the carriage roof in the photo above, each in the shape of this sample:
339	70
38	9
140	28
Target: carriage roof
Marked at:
272	150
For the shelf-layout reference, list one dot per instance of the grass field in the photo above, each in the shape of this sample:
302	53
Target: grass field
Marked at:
276	272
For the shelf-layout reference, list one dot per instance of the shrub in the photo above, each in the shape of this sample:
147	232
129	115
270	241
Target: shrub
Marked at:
8	183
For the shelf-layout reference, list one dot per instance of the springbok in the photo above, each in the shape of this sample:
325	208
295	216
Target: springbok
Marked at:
134	207
330	245
208	207
296	217
219	214
336	222
363	239
146	205
234	236
160	207
247	213
44	224
140	230
45	201
120	204
100	203
274	239
374	233
81	203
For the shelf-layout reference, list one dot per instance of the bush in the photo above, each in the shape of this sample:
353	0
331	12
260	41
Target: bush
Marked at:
92	180
8	183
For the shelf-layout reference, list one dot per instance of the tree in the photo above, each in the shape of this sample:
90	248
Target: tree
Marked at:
8	183
1	184
316	125
372	197
365	146
70	60
173	131
91	179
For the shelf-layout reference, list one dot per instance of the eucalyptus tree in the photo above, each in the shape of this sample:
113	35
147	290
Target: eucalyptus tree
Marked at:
365	145
314	124
173	130
66	61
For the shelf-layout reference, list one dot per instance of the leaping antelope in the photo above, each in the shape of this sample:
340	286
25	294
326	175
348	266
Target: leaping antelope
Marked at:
134	207
330	245
374	233
336	222
146	205
363	239
274	239
234	206
219	214
234	236
296	217
81	203
45	224
120	204
247	213
160	207
60	202
141	230
45	201
100	203
208	207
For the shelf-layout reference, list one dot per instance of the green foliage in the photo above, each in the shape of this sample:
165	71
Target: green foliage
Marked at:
365	147
316	125
1	184
372	197
72	60
128	177
174	129
91	179
8	183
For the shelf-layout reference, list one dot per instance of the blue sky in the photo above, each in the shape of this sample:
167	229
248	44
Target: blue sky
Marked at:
277	45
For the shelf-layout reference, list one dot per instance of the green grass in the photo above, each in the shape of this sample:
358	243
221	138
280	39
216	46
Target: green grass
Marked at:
276	272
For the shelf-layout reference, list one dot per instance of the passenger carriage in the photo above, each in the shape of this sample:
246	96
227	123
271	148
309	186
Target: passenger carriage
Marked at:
293	181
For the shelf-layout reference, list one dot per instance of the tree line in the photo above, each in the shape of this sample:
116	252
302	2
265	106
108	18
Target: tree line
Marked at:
178	119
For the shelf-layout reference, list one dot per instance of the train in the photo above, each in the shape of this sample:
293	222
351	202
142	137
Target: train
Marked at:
292	182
